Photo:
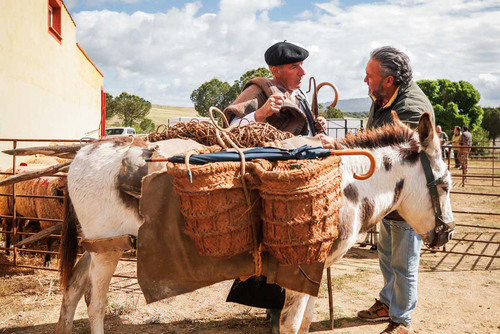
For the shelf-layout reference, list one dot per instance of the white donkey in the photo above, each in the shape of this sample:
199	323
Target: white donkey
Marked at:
399	183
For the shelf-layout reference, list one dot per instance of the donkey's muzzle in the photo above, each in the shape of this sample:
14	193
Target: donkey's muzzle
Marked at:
442	234
443	238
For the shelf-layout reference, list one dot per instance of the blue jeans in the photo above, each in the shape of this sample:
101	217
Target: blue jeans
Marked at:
399	257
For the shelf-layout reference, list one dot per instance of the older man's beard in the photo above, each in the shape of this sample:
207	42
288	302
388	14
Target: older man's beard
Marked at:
379	93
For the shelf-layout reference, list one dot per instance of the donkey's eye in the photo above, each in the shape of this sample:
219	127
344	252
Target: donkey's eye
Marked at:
446	189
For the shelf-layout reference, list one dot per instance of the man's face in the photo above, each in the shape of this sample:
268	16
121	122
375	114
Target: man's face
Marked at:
290	75
375	80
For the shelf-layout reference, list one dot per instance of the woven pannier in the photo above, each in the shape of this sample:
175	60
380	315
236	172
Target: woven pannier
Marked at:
216	214
301	200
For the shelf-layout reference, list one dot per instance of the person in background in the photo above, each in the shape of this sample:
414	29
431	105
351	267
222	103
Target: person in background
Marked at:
465	140
390	85
455	141
443	138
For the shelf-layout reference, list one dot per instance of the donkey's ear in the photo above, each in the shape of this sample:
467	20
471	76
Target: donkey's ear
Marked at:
426	132
395	119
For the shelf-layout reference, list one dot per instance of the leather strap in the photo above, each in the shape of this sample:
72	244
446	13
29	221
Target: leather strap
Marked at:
106	245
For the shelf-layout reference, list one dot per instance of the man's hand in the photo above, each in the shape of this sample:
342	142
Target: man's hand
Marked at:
326	141
272	106
320	124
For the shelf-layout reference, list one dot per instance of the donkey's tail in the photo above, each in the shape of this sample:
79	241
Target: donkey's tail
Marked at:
69	243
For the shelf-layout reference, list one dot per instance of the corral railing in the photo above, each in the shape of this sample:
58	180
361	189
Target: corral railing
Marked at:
479	181
475	195
338	128
14	230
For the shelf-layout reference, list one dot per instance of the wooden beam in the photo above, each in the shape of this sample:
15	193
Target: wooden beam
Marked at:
32	175
40	235
63	151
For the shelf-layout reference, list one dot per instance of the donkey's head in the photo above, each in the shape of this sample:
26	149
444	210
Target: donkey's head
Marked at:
427	207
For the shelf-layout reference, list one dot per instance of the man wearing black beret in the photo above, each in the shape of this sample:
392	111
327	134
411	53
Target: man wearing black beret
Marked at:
278	101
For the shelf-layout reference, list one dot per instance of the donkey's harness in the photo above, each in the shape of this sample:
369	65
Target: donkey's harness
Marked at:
443	231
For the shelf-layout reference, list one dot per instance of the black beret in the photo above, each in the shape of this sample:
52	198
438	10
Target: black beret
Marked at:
283	53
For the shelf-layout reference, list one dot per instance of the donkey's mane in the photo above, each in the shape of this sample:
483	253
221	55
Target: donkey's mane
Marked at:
393	134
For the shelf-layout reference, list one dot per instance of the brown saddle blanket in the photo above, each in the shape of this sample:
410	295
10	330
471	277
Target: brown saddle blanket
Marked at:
168	263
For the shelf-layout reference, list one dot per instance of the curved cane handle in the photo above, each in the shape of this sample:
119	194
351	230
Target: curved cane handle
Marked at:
369	155
334	103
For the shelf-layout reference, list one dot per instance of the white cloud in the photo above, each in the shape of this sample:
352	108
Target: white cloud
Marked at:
168	55
331	7
305	15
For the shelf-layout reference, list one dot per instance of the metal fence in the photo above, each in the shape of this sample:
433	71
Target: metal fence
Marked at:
485	174
482	173
339	127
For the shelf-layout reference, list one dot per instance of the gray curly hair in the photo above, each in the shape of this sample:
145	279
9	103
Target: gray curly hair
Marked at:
393	62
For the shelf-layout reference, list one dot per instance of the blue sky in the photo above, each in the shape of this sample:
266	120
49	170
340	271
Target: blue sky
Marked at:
285	12
163	50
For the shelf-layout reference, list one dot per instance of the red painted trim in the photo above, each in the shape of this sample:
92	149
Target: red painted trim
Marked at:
103	113
55	30
54	34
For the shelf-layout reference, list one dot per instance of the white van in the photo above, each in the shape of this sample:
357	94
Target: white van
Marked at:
120	131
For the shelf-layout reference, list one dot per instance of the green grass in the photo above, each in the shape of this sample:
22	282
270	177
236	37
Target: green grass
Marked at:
160	114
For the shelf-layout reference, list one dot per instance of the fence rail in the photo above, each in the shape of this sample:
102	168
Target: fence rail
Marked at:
15	232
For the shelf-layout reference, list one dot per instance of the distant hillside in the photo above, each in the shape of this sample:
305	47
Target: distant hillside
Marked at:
160	114
352	105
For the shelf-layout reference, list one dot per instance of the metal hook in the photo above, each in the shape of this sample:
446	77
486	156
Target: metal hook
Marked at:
314	81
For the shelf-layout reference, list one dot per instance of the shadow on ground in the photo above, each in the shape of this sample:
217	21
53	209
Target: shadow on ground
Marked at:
115	325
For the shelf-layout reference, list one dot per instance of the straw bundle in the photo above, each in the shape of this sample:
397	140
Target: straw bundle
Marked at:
300	208
217	217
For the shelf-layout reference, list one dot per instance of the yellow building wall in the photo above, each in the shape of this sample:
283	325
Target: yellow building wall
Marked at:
47	90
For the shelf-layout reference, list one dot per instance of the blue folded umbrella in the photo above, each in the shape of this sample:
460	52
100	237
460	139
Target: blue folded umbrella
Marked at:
268	153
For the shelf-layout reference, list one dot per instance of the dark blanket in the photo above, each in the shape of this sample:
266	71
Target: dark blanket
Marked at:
168	262
257	293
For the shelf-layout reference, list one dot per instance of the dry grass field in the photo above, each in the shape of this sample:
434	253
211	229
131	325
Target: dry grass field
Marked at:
458	294
160	114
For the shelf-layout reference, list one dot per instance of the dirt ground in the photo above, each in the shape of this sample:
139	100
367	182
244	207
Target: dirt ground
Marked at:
457	294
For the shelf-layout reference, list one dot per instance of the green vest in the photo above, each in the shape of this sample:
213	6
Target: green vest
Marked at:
410	103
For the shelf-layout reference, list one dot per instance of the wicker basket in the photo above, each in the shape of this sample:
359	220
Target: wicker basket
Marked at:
301	202
217	217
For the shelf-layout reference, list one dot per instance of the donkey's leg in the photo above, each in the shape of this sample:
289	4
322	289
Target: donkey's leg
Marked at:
72	294
293	312
101	269
308	316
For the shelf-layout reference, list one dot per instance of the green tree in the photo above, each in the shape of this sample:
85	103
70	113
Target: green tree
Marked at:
110	106
220	94
147	125
213	93
455	103
491	122
249	75
449	117
130	108
480	138
330	112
